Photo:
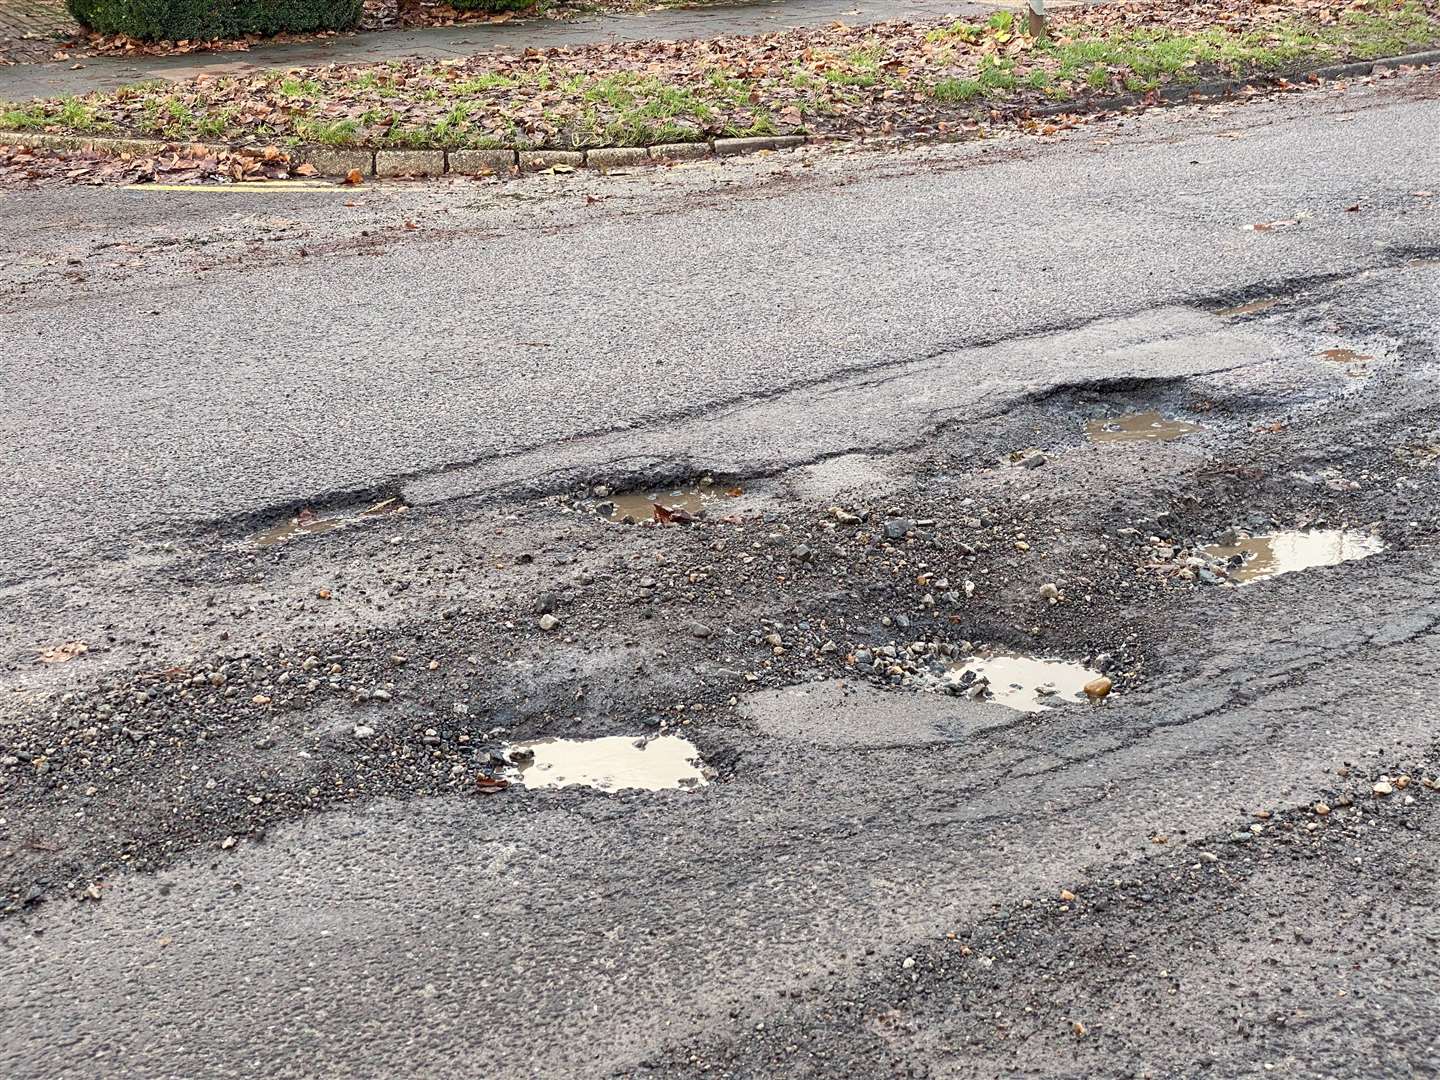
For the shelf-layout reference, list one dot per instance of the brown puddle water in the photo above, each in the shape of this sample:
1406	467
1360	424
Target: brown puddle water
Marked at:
1287	552
691	502
1345	356
1252	308
308	523
613	763
1026	683
1138	427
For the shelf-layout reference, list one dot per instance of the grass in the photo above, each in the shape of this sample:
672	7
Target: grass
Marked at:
835	80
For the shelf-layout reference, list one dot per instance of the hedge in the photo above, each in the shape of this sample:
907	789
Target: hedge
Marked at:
205	20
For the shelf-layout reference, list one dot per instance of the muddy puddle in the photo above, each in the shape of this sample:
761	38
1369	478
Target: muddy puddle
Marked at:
309	523
1261	557
1345	356
1029	684
613	763
1254	307
1139	427
679	505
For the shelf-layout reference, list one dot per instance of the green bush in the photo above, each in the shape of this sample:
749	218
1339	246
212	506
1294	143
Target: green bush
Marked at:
204	20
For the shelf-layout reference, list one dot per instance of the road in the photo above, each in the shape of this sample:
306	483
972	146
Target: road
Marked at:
244	832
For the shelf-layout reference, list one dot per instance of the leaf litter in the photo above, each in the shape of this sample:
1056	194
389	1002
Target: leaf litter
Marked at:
927	78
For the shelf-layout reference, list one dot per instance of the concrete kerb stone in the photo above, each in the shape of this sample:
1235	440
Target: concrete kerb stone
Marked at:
685	151
616	157
538	160
335	160
481	162
409	162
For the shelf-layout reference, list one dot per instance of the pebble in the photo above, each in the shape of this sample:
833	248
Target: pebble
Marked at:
1034	461
898	528
1098	689
1383	788
364	731
699	629
1050	591
548	622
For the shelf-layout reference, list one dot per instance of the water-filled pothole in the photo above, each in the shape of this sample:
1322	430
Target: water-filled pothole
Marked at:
1139	427
612	763
1254	307
680	505
1258	557
309	523
1345	356
1025	683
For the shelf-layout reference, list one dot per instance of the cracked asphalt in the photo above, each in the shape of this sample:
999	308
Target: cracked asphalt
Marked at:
244	832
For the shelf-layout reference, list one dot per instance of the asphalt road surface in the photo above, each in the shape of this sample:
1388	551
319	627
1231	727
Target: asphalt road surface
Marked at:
259	823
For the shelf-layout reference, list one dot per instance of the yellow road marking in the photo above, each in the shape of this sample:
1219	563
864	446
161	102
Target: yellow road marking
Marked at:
273	186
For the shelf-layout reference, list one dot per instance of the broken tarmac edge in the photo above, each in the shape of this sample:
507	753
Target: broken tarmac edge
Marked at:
340	161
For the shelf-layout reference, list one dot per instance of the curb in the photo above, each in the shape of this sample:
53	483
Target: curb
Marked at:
1175	95
338	162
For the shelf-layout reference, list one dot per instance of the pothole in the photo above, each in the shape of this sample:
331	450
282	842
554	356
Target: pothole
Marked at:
1027	683
611	763
1256	558
1139	427
1254	307
1345	356
309	523
679	506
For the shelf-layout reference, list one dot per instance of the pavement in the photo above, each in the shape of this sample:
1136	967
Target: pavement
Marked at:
69	77
243	832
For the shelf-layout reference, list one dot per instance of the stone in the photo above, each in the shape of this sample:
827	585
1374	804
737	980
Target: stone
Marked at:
1098	689
617	157
898	528
1050	591
540	160
1321	809
698	629
689	151
1034	461
751	145
364	731
548	622
409	162
335	160
1383	788
481	162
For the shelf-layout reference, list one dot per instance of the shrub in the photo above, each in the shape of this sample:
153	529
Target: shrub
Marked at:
204	20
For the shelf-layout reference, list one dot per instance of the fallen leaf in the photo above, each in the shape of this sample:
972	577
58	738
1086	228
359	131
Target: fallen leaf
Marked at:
491	785
353	178
63	654
304	170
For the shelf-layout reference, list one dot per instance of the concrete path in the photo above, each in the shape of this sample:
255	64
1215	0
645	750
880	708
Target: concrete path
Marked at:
99	73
